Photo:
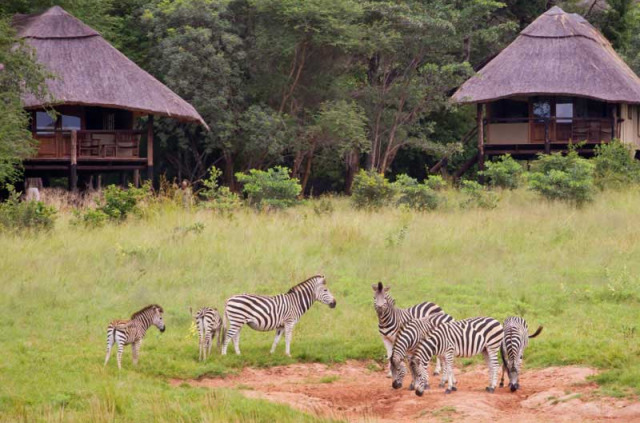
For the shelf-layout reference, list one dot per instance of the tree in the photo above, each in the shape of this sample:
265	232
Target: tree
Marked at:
20	75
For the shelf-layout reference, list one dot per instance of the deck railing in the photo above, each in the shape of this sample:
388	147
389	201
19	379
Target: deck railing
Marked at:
564	130
94	144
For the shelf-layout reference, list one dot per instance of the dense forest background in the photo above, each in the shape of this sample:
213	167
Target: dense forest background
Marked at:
324	87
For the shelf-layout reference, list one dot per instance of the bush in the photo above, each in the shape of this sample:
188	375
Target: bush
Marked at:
615	165
218	198
16	215
568	178
90	218
415	195
477	196
371	190
504	173
115	205
323	206
273	188
435	182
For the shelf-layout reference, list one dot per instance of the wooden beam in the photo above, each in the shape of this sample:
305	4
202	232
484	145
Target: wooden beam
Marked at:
547	137
466	166
73	168
480	124
150	148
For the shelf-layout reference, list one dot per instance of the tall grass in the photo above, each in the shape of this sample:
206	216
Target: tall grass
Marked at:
573	271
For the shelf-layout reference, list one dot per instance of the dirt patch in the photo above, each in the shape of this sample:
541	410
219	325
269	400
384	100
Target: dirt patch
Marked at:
356	391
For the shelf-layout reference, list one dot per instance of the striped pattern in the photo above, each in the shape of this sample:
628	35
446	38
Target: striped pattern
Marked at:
392	318
463	338
125	332
516	340
279	313
407	341
209	323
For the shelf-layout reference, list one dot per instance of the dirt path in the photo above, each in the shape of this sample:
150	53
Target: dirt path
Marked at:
359	391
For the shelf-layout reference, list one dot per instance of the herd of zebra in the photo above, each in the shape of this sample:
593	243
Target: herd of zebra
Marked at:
415	335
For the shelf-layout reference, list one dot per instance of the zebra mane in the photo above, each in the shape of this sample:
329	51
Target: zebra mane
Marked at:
309	282
142	311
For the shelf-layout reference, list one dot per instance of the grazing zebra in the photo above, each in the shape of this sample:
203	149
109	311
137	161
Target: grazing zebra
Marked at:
279	313
407	341
391	318
125	332
462	338
209	325
516	339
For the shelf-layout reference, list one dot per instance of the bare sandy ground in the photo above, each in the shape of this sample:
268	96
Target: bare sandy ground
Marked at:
358	391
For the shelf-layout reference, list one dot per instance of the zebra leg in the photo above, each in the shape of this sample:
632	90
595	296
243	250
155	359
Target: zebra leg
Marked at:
449	371
210	344
109	345
388	345
288	332
199	347
502	377
236	342
207	345
279	332
119	355
232	334
491	358
135	347
445	372
438	368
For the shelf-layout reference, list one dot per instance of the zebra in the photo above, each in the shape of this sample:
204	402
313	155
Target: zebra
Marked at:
279	313
406	342
209	325
125	332
516	339
391	318
462	338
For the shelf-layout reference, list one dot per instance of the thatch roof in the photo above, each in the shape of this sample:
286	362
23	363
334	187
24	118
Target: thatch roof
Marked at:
558	54
91	72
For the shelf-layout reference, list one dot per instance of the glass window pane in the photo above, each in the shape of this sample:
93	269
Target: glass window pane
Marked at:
71	122
564	111
509	109
44	123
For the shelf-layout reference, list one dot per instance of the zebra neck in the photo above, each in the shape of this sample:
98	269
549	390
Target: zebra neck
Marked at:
142	323
303	300
391	318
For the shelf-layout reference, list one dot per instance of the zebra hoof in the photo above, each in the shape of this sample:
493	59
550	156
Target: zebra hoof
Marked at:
412	387
419	392
502	384
490	389
454	388
448	391
436	373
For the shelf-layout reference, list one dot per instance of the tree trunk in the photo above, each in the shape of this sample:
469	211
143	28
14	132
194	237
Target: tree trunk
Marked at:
228	171
352	165
307	170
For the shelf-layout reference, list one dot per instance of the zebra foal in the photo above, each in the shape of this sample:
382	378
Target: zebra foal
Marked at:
516	339
209	324
462	338
279	312
406	342
392	318
125	332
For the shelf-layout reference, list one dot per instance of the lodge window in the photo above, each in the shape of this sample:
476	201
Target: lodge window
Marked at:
509	109
564	110
70	123
586	108
45	124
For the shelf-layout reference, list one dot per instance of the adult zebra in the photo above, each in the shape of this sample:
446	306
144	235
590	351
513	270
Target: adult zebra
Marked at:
125	332
516	339
406	342
392	318
279	313
462	338
209	325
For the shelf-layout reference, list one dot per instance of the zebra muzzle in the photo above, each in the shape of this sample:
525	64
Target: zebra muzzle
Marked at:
333	304
396	384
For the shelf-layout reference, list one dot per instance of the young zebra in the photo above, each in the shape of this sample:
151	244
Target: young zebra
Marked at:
516	339
407	341
391	318
279	313
125	332
209	325
462	338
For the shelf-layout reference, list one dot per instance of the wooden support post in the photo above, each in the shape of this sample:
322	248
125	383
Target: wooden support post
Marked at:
480	124
73	168
123	179
150	148
99	182
547	138
136	178
614	112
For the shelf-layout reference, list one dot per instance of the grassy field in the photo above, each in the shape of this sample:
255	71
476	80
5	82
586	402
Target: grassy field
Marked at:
573	271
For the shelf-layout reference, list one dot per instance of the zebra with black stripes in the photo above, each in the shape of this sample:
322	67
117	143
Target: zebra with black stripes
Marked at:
462	338
279	312
392	318
406	342
209	324
125	332
516	339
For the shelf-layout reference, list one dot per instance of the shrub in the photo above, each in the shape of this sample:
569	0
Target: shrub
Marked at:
504	173
415	195
273	188
371	190
477	196
323	206
16	215
90	218
218	198
435	182
568	178
615	165
115	205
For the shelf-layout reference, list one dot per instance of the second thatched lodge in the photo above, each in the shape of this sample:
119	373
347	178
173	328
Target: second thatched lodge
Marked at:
560	81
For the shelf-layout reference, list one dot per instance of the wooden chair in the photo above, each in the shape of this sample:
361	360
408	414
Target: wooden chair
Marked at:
87	146
127	145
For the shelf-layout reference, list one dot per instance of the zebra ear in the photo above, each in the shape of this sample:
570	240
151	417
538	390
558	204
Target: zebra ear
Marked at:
374	286
387	288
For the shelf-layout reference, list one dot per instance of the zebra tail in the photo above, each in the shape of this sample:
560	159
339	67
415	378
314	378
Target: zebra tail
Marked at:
223	330
536	333
504	360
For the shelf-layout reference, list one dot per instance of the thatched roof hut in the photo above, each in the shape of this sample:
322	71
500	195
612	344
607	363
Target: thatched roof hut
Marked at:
91	72
558	54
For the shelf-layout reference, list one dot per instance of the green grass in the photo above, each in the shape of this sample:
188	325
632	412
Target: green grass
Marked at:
573	271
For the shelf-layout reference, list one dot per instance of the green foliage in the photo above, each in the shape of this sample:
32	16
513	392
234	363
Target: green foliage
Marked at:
477	196
271	189
435	182
18	216
218	198
563	177
90	218
504	173
371	190
415	195
615	165
323	206
115	205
